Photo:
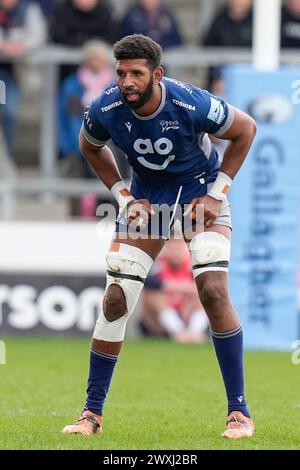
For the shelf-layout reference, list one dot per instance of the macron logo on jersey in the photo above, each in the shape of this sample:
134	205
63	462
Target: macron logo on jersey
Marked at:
128	125
111	106
217	111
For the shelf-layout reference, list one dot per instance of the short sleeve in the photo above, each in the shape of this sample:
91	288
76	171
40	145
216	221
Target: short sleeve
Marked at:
215	115
93	130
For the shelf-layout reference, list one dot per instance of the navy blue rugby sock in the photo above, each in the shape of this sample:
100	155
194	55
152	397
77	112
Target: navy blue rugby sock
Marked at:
101	370
229	350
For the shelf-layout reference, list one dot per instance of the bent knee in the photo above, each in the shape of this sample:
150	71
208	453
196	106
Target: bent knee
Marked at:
212	293
114	303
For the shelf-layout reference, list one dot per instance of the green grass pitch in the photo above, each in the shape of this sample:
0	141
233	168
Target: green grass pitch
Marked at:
163	396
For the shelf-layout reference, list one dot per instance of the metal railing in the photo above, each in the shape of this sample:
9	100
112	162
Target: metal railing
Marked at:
50	58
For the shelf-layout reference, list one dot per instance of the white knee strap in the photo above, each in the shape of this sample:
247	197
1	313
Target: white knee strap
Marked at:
210	251
128	268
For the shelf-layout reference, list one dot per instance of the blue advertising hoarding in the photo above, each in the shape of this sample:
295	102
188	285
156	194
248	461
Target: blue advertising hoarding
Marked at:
265	207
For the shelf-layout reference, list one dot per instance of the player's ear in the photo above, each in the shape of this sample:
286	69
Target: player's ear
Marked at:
158	74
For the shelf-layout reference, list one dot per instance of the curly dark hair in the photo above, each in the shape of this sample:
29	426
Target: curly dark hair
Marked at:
138	46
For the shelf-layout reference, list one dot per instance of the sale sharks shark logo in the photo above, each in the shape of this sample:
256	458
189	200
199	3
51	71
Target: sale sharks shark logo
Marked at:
167	125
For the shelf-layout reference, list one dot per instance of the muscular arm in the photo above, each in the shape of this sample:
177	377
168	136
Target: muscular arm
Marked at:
241	135
101	160
103	163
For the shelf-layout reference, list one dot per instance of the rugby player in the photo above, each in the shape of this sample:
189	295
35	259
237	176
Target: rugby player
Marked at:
162	125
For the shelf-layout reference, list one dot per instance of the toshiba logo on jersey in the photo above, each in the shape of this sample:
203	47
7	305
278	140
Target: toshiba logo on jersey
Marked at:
111	106
184	105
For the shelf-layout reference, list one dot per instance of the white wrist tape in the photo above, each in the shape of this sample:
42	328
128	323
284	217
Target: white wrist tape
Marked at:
121	194
221	187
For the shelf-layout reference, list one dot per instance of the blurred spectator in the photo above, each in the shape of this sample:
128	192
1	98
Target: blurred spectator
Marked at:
118	7
152	18
22	29
232	27
290	24
47	6
77	91
171	306
77	21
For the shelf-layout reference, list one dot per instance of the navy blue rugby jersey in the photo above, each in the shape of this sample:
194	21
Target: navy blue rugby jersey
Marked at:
172	144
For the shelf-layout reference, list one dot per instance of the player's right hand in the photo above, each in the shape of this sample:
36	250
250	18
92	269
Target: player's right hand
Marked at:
138	212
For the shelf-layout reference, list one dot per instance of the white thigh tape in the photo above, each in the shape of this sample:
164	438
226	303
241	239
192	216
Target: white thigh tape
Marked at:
210	251
128	268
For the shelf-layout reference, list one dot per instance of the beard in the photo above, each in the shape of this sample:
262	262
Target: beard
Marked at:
143	97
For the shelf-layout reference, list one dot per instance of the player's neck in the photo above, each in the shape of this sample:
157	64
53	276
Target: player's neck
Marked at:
153	104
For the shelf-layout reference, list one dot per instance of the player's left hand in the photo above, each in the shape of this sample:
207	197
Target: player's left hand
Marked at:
138	212
211	210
